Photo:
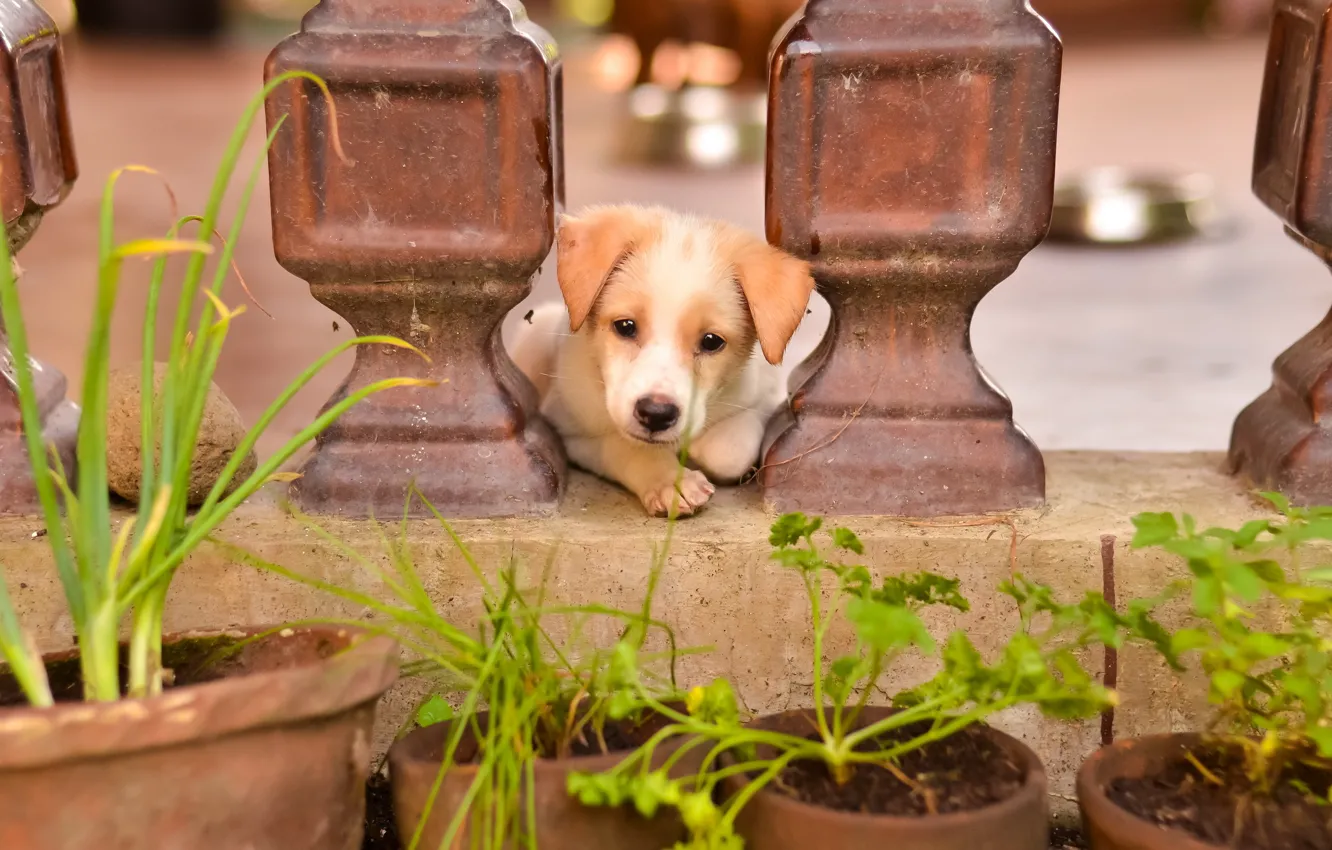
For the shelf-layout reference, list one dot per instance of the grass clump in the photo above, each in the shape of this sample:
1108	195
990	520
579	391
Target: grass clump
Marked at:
112	576
527	680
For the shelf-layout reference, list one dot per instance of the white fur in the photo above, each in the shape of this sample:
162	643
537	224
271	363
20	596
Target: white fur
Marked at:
591	403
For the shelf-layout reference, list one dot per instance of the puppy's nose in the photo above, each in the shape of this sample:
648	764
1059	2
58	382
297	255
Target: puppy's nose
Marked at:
656	413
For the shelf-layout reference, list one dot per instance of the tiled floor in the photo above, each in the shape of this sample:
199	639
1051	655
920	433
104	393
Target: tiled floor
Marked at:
1152	349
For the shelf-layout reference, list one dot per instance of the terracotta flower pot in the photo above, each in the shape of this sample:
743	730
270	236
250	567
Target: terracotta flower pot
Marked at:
270	751
1105	824
774	821
561	822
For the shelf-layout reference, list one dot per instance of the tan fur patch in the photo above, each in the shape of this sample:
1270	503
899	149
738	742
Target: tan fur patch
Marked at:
777	286
590	246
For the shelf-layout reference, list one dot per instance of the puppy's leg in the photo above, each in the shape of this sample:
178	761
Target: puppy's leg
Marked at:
728	450
649	472
537	344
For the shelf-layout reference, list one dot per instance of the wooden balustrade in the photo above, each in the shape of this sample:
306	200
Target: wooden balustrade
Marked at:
911	153
431	229
911	159
37	170
1282	440
911	150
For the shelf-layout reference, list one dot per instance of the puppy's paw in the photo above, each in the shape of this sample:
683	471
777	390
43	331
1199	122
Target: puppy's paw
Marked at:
729	450
694	491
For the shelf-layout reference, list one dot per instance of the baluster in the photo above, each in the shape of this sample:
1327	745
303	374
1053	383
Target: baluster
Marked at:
37	170
431	230
1281	441
911	154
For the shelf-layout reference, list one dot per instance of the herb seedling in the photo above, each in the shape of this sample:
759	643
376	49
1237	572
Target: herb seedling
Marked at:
1272	689
1038	666
109	575
543	697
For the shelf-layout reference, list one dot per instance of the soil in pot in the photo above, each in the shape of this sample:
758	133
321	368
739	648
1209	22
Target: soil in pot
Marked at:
962	773
1231	815
980	788
381	831
618	738
187	661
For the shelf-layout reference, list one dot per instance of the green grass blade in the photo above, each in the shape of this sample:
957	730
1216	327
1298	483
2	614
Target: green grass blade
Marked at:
204	524
147	383
11	316
280	403
225	172
25	663
203	359
243	208
91	486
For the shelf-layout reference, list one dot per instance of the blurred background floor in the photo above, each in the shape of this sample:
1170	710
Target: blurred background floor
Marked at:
1153	349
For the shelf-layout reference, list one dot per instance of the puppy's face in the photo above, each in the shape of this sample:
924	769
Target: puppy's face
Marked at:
673	307
669	330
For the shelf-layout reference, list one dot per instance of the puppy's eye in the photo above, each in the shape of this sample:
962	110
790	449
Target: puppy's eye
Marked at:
625	328
711	343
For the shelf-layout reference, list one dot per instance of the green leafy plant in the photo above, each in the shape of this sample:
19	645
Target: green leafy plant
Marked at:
1038	666
111	575
1272	689
525	683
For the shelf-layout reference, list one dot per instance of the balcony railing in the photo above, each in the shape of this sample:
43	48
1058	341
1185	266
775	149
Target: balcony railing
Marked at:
911	149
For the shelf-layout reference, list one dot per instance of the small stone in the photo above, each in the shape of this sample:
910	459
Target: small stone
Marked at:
220	434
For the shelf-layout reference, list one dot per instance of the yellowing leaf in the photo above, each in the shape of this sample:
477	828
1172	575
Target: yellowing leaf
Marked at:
225	312
153	247
393	341
392	383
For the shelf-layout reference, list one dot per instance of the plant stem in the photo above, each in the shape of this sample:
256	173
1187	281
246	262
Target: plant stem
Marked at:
145	654
876	669
934	735
1206	774
814	589
896	720
737	803
99	655
16	650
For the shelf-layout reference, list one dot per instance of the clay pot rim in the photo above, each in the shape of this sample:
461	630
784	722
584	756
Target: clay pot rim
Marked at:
1103	766
361	673
1032	790
402	757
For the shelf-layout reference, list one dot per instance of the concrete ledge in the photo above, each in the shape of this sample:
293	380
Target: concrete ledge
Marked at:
719	588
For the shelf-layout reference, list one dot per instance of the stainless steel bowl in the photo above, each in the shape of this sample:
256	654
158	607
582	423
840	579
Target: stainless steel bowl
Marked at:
1114	206
700	127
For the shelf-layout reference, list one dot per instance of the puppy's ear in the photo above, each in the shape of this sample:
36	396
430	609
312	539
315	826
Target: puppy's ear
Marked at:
776	285
590	246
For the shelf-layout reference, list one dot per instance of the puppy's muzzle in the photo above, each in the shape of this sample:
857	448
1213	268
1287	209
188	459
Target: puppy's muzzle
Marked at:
656	413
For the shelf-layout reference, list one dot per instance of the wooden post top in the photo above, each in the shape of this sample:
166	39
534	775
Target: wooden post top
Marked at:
37	165
908	126
453	148
1292	163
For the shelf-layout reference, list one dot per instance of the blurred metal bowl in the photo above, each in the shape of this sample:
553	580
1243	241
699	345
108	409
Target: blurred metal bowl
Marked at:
701	127
1114	206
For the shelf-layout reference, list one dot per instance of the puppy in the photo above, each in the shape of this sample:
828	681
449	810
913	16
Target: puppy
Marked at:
671	333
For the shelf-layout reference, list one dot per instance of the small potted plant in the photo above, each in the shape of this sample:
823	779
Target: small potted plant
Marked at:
177	742
1258	776
926	773
488	770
